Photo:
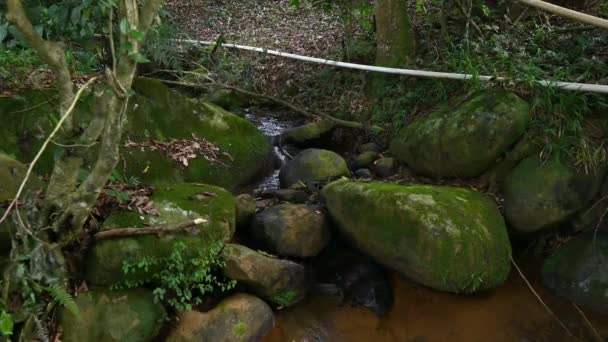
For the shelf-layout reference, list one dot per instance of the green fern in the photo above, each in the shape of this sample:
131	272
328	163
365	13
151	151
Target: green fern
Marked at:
61	295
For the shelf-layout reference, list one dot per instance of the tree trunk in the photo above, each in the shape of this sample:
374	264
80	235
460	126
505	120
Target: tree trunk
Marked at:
395	38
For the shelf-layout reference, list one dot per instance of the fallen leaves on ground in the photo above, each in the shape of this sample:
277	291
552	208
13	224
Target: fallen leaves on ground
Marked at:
183	151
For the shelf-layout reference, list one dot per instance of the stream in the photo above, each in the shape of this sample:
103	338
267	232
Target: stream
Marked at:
419	314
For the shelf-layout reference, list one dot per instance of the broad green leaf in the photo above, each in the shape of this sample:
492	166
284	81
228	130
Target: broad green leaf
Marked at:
137	36
6	324
139	58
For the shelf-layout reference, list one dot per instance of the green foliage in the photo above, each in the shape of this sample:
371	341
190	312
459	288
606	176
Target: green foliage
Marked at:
240	329
6	323
284	298
64	298
180	282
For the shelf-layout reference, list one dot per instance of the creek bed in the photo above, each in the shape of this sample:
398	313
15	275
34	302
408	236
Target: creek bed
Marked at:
420	314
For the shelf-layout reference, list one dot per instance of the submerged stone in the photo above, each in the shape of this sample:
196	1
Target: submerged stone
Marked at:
279	281
313	166
108	316
176	204
578	271
463	141
294	230
539	195
450	239
241	317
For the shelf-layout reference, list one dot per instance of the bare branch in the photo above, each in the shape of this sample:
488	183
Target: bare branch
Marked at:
180	228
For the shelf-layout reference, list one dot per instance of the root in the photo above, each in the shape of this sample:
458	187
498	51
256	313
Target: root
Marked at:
180	228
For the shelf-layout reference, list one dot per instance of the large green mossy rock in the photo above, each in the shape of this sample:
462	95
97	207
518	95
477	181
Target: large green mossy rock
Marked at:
579	271
108	316
279	281
161	114
450	239
465	140
313	166
176	204
12	174
539	195
155	113
239	318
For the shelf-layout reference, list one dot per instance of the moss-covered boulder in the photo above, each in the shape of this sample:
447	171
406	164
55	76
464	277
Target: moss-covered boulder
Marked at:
579	271
309	133
294	230
238	318
364	160
108	316
450	239
279	281
176	204
540	194
12	174
313	166
228	99
161	114
156	113
384	167
464	140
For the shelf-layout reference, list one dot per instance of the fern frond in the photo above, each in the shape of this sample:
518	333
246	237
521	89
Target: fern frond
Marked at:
63	297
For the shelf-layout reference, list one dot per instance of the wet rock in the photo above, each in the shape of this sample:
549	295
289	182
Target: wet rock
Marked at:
279	281
313	166
384	167
293	230
578	271
364	160
245	209
176	204
291	195
238	318
464	140
309	133
364	173
106	315
540	195
450	239
357	278
369	147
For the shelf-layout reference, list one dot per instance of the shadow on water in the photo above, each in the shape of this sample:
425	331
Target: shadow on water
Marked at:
419	314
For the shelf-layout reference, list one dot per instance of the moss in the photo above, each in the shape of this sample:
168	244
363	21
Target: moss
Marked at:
463	139
285	298
451	239
541	195
313	166
162	114
176	204
156	112
240	329
113	316
309	132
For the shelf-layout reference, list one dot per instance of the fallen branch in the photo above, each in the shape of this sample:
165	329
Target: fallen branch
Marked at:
188	228
282	103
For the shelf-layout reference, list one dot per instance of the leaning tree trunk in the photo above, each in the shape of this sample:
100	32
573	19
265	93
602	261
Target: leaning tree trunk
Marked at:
395	38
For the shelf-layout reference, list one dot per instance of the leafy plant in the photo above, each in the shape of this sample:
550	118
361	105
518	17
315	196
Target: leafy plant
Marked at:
64	298
6	323
181	281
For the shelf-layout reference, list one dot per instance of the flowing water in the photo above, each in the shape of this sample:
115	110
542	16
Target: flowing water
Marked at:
419	314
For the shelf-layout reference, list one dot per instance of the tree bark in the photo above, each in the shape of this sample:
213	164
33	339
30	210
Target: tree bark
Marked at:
395	38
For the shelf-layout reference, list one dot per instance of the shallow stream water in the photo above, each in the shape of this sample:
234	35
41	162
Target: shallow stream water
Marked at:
419	314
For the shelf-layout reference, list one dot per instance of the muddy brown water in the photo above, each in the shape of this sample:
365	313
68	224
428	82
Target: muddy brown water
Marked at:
419	314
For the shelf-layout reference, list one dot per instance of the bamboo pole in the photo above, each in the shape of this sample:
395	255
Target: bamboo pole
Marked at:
567	13
583	87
